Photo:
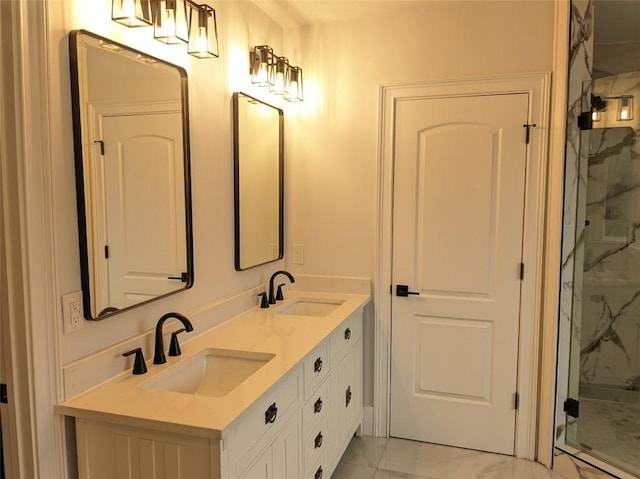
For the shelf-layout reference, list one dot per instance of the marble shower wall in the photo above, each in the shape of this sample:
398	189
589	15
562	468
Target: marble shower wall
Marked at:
578	311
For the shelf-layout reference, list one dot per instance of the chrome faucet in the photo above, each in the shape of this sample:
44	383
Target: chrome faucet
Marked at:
272	297
158	357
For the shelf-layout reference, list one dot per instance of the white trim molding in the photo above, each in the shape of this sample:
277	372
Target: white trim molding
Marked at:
537	87
30	314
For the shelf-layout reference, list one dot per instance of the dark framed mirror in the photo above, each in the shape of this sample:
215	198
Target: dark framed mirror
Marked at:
131	142
259	181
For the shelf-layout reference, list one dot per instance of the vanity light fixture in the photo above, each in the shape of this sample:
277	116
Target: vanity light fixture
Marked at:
625	108
280	79
174	22
262	62
273	71
294	85
203	31
132	13
170	21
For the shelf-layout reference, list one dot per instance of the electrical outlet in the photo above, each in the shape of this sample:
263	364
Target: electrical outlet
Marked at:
297	254
274	250
72	312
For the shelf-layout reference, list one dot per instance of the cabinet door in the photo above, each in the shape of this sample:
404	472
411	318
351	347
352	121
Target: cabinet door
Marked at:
353	387
286	451
281	459
262	468
346	398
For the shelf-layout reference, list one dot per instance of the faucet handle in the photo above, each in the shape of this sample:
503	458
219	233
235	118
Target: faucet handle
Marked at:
279	295
264	302
174	346
139	366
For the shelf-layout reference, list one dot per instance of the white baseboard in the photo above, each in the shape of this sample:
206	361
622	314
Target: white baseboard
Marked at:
367	421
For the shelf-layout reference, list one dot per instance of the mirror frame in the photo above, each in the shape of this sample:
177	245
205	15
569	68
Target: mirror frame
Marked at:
85	268
236	179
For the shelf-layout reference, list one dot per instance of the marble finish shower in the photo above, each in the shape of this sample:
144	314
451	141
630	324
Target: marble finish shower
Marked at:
598	407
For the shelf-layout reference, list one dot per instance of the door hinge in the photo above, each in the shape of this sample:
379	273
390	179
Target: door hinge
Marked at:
101	146
528	126
585	120
521	271
106	251
184	277
572	407
3	394
516	401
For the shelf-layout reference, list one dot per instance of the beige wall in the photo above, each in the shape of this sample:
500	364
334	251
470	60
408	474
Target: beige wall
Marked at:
332	162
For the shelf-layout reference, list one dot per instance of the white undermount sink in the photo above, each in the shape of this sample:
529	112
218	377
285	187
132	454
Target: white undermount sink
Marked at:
311	307
210	372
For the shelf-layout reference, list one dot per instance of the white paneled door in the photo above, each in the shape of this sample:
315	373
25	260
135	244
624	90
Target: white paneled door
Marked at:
459	188
145	212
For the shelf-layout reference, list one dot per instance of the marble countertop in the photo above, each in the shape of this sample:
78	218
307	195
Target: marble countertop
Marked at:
289	338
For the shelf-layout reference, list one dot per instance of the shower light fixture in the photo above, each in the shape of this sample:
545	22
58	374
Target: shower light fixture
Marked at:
625	108
174	22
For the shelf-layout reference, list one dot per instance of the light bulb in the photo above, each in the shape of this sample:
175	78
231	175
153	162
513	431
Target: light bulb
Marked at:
201	43
129	9
625	108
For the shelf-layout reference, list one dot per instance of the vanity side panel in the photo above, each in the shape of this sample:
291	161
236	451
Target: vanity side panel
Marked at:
116	452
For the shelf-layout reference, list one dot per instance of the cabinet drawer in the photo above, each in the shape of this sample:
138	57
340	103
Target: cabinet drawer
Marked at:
315	408
345	335
266	416
315	445
316	368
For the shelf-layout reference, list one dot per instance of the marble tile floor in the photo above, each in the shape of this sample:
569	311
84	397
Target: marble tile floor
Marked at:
380	458
611	430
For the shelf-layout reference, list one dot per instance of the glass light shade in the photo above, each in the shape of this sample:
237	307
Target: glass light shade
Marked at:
170	21
294	85
625	108
280	76
261	65
203	32
132	13
596	115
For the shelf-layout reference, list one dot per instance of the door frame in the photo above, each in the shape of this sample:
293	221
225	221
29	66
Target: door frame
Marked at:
30	321
537	86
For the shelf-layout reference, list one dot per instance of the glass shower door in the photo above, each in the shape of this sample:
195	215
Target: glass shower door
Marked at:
603	409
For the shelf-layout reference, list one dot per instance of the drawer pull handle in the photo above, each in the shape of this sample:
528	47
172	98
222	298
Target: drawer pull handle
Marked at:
319	473
270	414
347	334
317	366
348	397
317	407
318	440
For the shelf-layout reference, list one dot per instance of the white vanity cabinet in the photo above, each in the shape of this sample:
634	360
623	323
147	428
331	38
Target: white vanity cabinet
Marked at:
330	411
297	429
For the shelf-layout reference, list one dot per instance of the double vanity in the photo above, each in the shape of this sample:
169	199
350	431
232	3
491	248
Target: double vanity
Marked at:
272	393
